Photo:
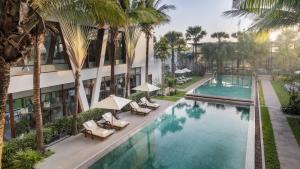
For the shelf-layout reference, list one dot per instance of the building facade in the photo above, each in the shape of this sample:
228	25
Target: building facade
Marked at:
57	79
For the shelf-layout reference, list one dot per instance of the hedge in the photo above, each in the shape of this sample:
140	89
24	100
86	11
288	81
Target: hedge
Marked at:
52	131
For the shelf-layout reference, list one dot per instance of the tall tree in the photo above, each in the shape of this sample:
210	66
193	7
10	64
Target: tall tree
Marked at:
15	43
132	36
181	48
271	14
161	17
173	37
162	51
195	34
79	21
39	40
220	36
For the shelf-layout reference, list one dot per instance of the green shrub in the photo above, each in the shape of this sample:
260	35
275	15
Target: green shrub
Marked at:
51	132
171	82
293	107
137	96
26	159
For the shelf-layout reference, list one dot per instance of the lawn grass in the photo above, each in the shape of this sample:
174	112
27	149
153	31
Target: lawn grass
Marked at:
174	98
187	84
282	94
270	150
295	126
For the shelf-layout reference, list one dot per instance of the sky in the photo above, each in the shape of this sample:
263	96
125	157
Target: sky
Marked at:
206	13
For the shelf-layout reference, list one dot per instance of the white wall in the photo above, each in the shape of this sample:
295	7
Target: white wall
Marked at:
25	82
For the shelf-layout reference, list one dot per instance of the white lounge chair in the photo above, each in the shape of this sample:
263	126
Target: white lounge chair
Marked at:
113	122
147	103
91	128
137	109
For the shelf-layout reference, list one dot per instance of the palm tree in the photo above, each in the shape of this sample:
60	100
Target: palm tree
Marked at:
220	36
271	14
181	47
132	36
195	34
161	17
39	40
15	43
162	51
78	21
173	37
135	13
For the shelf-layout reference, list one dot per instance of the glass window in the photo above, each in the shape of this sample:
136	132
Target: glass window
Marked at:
120	57
88	87
135	79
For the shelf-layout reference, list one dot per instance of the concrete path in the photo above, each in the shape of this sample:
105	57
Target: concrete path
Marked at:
287	147
194	85
81	152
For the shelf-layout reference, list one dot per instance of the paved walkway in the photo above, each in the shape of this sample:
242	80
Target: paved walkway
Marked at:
194	85
287	147
81	152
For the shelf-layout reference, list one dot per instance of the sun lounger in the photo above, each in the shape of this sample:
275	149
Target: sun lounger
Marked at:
147	103
188	78
113	122
139	110
179	81
91	128
182	79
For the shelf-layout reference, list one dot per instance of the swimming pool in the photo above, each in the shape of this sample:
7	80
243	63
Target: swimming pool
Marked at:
191	134
229	86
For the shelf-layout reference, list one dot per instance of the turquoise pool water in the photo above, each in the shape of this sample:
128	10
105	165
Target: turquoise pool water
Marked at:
237	87
190	135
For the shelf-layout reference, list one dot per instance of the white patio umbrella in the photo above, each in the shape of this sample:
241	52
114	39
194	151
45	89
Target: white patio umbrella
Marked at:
297	72
186	70
146	87
178	71
112	102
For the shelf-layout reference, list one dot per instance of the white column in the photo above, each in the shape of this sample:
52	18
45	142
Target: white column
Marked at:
96	88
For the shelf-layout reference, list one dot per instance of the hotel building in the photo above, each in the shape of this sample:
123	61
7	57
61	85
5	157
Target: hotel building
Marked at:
57	79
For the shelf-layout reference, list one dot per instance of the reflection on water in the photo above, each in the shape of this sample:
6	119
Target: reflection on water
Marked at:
192	135
244	112
196	111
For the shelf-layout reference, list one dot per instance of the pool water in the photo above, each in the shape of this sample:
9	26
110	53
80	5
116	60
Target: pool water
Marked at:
190	135
229	86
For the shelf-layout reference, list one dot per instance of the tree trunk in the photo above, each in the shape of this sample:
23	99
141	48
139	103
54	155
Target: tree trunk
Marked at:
4	79
74	121
127	81
163	76
12	116
37	96
173	61
114	34
147	58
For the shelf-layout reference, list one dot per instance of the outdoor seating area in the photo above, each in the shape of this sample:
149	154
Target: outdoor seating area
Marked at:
114	103
180	78
86	148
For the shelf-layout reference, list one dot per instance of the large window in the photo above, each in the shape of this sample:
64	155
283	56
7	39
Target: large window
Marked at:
56	102
88	87
135	79
53	57
120	57
105	89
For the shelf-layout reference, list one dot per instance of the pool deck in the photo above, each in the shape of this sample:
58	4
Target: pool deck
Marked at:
287	147
81	152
